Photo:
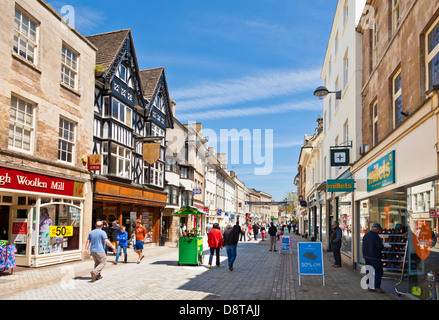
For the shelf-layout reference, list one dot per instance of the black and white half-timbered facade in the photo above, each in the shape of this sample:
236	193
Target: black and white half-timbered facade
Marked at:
124	120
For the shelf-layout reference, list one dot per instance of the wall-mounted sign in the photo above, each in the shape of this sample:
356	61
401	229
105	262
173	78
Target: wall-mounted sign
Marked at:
196	191
28	181
381	173
340	157
94	162
340	185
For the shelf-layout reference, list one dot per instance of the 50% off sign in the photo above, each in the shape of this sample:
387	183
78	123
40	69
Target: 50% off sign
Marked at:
61	231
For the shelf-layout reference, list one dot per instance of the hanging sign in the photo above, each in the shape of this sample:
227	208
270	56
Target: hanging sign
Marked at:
94	162
340	157
310	258
381	173
151	152
340	185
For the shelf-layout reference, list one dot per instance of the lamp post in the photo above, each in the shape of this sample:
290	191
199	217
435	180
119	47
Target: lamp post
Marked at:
321	92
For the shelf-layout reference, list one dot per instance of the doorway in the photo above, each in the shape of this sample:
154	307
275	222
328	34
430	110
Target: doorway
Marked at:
21	234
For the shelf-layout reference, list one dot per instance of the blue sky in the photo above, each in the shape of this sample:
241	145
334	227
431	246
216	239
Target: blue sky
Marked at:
249	65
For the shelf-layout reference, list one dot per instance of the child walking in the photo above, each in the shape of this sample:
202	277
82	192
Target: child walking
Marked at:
122	237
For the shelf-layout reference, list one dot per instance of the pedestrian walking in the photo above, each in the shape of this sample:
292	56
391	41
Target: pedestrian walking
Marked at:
95	241
231	236
243	231
106	229
372	253
215	242
255	230
263	231
122	239
249	232
272	231
335	240
140	237
114	231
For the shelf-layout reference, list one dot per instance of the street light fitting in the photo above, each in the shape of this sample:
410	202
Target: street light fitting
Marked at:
321	92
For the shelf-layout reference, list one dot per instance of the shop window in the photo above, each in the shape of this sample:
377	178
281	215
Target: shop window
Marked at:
64	220
345	222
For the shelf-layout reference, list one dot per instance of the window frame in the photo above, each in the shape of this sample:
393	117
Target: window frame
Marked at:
396	96
430	56
374	40
19	35
396	15
375	123
31	127
66	67
71	143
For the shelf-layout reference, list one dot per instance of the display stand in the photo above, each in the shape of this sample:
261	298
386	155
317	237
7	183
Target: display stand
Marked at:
190	242
285	244
7	256
394	251
310	260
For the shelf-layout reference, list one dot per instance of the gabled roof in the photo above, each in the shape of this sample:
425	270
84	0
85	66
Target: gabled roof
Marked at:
150	79
108	45
151	82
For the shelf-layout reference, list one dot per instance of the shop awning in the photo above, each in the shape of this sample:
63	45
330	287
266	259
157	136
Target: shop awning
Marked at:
189	210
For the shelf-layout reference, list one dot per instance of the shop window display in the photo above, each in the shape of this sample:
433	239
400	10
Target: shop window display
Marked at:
58	228
423	250
345	222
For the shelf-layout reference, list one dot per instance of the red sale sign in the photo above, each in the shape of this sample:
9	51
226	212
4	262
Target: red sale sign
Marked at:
19	227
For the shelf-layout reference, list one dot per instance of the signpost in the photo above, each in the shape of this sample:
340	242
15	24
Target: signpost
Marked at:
310	259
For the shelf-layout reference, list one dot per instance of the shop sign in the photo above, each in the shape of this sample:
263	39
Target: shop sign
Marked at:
340	157
151	152
94	162
381	173
340	185
19	231
61	231
422	238
27	181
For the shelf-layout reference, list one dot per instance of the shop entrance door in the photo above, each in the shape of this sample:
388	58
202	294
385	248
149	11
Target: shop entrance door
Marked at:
20	226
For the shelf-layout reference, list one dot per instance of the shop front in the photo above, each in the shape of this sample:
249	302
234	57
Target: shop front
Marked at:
126	203
43	216
397	186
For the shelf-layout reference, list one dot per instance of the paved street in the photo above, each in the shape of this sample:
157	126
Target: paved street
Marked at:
258	275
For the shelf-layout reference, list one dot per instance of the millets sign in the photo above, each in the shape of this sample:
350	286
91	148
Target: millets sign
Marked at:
381	173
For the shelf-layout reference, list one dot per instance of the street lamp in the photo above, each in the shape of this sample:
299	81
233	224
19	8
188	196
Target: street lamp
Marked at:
321	92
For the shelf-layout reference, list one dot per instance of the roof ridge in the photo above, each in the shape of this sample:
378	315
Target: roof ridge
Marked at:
110	32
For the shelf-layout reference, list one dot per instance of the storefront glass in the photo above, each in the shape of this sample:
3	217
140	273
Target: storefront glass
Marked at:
345	222
58	226
423	250
323	221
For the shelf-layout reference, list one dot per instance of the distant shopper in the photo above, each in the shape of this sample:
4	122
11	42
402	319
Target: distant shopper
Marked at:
140	237
231	236
122	238
263	231
95	241
272	231
255	230
106	229
372	252
335	240
114	231
215	242
243	231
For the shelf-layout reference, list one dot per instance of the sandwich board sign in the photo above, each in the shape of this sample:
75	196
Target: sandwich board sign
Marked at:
310	259
285	244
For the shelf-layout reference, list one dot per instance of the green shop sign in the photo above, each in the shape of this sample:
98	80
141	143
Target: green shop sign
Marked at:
341	185
381	173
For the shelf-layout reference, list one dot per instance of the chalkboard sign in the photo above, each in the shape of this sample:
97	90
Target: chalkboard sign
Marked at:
310	258
285	244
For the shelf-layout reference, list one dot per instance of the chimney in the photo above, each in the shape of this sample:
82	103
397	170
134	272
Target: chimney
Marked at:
173	104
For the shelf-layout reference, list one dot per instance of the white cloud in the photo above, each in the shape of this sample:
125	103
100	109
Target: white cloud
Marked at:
246	112
246	89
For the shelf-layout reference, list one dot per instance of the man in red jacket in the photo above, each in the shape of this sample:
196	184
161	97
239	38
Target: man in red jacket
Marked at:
215	242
